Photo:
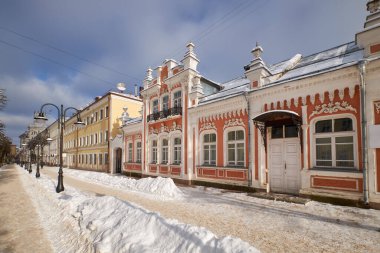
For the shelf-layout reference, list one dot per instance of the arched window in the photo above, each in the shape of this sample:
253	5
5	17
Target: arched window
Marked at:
154	151
177	151
209	149
334	143
165	151
138	152
235	148
130	152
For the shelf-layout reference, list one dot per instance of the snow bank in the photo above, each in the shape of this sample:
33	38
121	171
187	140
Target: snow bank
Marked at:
162	187
77	222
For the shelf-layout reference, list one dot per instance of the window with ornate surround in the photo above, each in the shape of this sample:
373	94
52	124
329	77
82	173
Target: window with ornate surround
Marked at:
165	151
235	147
209	149
334	143
138	152
130	152
177	149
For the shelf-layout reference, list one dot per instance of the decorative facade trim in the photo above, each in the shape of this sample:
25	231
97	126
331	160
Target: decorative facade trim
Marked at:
377	106
332	107
233	122
207	126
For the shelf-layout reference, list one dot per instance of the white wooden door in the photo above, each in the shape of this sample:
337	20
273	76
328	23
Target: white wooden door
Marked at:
284	162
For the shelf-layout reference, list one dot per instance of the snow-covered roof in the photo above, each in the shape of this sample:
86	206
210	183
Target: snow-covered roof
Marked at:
231	88
333	58
132	121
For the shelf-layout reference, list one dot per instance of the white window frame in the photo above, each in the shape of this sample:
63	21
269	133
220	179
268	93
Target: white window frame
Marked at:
203	145
138	151
172	150
162	161
153	152
153	106
175	100
130	151
162	102
333	135
226	142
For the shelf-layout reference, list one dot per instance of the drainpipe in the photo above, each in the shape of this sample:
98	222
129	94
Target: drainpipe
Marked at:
364	150
249	142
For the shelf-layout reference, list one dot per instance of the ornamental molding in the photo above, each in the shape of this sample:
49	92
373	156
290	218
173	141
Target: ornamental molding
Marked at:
207	126
138	137
332	107
129	138
233	122
164	129
307	84
377	107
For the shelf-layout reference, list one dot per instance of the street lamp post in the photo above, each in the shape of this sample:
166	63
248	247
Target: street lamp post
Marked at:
61	125
38	160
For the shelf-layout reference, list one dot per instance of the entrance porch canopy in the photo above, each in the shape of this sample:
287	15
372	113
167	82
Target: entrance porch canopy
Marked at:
275	117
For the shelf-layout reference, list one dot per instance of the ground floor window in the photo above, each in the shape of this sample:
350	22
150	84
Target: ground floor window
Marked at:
334	143
177	151
235	148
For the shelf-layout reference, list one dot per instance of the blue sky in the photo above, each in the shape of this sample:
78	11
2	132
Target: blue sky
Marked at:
71	51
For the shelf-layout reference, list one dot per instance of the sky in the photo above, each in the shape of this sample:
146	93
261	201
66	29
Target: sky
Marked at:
68	52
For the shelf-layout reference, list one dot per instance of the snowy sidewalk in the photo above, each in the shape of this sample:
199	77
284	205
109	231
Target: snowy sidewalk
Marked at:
20	229
270	226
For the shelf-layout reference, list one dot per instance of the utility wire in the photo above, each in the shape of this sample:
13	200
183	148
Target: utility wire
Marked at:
55	62
68	53
225	18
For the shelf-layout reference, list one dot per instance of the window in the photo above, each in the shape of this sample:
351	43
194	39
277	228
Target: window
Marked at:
100	159
209	149
106	136
101	114
284	131
105	158
130	152
165	103
154	151
90	158
106	112
94	158
177	151
334	143
100	137
88	120
91	140
155	106
96	138
138	152
235	148
96	116
177	100
165	151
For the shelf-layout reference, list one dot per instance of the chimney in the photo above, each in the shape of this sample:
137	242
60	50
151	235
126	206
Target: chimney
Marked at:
148	78
136	91
256	71
159	69
190	60
369	37
196	91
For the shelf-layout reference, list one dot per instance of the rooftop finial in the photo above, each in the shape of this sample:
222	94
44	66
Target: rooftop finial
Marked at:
257	51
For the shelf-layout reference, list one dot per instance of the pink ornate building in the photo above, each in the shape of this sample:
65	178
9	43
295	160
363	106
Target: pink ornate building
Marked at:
308	125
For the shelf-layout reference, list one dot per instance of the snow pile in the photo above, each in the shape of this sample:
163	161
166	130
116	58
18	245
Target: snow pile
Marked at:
76	222
163	187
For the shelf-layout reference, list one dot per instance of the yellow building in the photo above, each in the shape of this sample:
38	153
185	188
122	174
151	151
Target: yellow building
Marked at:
88	147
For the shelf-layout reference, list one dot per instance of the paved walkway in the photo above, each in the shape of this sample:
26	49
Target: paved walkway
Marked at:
20	229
